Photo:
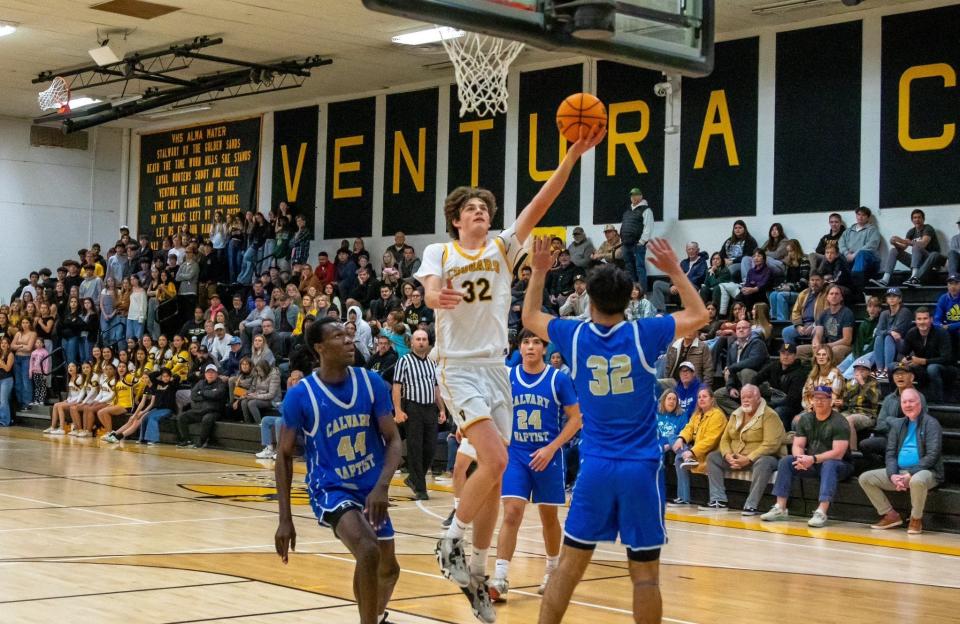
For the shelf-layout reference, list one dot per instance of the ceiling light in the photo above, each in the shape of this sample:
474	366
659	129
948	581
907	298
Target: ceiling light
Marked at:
80	102
7	28
180	111
429	35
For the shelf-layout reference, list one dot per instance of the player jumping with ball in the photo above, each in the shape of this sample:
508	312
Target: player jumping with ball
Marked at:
467	281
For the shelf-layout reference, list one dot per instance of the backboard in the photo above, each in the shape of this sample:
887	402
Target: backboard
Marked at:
674	36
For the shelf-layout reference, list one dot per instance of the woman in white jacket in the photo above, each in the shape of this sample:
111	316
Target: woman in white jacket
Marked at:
364	338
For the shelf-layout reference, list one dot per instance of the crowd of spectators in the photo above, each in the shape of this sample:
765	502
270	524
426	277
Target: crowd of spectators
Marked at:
209	325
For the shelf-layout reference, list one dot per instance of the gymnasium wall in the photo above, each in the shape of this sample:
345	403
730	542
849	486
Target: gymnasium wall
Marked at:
54	201
790	126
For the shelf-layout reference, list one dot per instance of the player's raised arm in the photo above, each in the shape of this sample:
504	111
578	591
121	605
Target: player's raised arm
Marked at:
541	202
693	314
286	537
534	318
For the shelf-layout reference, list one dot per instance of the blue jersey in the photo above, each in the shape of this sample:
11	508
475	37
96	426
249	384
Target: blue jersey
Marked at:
538	402
343	446
616	382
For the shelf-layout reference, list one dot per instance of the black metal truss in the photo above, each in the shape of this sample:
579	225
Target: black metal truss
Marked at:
157	65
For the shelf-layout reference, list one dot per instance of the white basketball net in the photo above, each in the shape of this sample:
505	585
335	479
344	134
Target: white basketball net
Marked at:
481	64
56	96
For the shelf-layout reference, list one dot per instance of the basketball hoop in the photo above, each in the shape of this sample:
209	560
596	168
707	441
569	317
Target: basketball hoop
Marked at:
56	96
481	64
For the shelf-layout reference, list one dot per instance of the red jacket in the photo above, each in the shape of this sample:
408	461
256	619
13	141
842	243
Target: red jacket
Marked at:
326	273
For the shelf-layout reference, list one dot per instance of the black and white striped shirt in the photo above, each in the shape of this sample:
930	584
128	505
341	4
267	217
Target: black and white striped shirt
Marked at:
417	377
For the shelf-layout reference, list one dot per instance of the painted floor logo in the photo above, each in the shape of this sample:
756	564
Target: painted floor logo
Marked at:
247	488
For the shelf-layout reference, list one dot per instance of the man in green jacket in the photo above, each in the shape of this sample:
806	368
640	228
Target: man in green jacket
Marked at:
914	463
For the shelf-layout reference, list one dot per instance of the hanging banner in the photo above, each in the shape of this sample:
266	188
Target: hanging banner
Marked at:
348	201
919	147
410	163
477	153
187	174
540	145
295	134
718	135
632	154
817	136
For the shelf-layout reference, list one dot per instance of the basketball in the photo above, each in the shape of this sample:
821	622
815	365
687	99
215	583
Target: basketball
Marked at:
578	110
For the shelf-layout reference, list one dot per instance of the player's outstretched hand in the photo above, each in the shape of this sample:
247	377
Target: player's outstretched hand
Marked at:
449	296
664	258
285	539
541	256
376	507
590	137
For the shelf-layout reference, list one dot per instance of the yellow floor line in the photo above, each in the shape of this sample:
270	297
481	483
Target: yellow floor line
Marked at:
233	458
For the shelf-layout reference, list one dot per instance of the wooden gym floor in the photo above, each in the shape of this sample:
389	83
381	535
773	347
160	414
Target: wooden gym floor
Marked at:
134	534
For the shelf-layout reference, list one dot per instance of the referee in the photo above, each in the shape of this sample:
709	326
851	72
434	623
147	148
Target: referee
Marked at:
417	403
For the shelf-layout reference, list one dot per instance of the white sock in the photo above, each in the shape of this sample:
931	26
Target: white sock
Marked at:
380	616
478	561
456	530
913	273
456	502
885	278
502	569
552	563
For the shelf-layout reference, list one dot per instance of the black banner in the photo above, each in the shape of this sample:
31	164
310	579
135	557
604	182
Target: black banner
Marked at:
540	144
919	150
295	160
632	154
410	163
817	130
186	174
348	201
477	153
718	140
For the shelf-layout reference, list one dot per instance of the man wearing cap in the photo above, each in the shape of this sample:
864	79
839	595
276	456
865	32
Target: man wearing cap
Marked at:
927	352
687	389
577	304
695	268
230	365
821	450
751	441
220	345
914	463
919	250
207	400
581	249
893	325
781	384
611	249
689	349
861	399
636	228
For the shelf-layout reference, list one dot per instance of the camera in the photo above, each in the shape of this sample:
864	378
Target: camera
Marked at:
663	89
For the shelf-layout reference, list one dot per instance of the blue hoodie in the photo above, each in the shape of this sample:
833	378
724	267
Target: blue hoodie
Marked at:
947	313
688	397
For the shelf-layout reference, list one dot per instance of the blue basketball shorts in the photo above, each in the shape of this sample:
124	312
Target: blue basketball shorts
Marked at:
618	498
541	488
329	506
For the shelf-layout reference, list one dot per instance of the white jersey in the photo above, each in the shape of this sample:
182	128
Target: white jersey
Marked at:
476	329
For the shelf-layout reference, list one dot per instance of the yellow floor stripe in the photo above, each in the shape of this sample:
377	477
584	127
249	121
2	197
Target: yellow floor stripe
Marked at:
793	529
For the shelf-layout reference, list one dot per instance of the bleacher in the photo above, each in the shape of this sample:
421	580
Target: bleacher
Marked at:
943	505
